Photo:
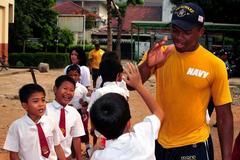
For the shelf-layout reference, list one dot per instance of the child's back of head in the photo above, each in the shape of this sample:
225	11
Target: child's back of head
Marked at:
27	90
110	68
110	115
110	55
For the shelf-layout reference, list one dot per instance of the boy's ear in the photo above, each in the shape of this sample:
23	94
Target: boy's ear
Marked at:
128	126
24	105
202	30
54	90
119	77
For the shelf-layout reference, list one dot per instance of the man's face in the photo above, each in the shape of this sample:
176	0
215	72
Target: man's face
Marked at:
186	41
97	47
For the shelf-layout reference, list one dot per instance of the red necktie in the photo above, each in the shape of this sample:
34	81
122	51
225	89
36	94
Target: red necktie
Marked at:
43	142
62	122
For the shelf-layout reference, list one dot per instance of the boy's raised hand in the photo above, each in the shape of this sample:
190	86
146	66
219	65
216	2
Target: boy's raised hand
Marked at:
132	77
156	56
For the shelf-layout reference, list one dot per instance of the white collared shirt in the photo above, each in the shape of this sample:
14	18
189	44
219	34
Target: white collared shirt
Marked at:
108	87
121	84
136	145
79	93
85	77
23	138
74	126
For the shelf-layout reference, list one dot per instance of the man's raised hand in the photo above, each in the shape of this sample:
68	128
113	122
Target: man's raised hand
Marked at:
156	56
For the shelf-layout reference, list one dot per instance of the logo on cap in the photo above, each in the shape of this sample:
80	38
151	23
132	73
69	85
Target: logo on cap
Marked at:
181	13
187	16
184	10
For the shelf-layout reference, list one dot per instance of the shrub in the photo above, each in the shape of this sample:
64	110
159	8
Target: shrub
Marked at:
88	47
55	60
19	64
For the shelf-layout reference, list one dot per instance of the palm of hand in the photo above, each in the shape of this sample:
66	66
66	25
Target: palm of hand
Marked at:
158	57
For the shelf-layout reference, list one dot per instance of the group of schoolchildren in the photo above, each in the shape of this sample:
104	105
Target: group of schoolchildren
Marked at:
56	130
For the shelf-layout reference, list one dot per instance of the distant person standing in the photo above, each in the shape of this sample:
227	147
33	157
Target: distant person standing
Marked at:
95	57
224	56
78	57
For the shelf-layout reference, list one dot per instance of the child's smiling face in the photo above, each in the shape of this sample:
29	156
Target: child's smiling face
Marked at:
64	93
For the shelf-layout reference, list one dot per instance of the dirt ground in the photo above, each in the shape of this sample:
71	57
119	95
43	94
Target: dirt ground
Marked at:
10	108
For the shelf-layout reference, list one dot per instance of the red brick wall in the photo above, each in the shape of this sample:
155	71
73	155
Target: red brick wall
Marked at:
4	52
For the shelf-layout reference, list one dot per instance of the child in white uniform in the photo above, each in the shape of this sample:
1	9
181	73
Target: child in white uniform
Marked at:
111	73
80	101
23	140
64	90
110	115
78	57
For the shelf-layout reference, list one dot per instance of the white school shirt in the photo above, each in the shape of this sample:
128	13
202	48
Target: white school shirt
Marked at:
85	77
79	93
23	138
108	87
74	126
121	84
136	145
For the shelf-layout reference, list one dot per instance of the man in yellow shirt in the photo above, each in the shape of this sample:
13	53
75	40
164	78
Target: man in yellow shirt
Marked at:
95	57
187	75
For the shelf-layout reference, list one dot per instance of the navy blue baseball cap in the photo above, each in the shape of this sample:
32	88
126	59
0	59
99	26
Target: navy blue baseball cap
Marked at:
187	16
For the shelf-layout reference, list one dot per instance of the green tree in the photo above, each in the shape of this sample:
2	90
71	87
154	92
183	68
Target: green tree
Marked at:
45	21
66	38
20	30
90	22
33	18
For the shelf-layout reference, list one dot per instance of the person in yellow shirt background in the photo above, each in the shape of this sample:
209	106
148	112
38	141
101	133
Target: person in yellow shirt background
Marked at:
95	57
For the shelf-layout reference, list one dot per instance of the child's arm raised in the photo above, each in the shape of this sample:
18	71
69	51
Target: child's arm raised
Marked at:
133	79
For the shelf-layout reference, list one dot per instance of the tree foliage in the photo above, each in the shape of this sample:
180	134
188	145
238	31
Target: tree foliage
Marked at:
33	18
66	38
90	22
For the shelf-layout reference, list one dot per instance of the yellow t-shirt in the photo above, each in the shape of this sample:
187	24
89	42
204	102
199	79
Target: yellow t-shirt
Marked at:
95	56
184	85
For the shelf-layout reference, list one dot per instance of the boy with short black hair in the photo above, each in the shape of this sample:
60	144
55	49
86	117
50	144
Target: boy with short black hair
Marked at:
67	117
80	101
121	83
110	115
35	135
111	72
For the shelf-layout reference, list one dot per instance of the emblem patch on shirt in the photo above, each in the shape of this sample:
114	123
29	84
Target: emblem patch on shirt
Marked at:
45	150
63	130
197	72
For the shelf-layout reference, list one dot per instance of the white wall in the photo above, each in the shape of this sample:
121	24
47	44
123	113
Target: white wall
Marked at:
167	11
